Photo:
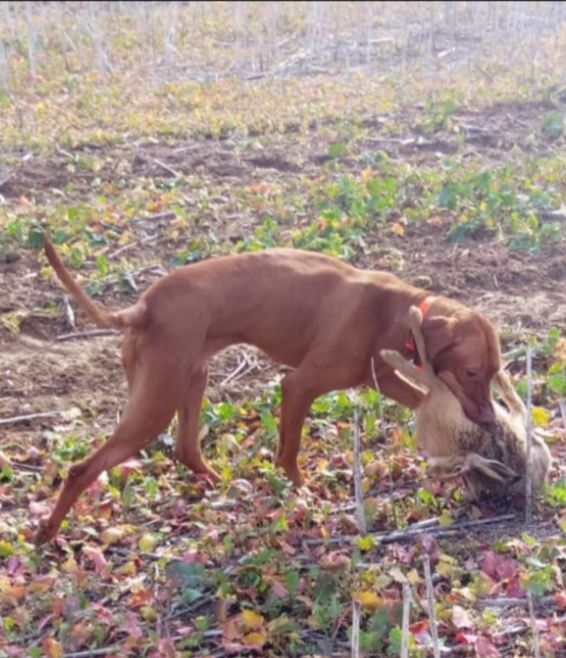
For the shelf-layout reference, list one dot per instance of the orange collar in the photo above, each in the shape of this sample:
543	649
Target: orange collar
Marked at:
410	346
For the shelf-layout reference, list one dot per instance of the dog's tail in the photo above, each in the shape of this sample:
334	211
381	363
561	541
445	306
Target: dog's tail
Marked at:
135	316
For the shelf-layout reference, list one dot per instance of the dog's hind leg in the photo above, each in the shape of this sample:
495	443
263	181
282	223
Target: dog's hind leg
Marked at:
147	413
188	449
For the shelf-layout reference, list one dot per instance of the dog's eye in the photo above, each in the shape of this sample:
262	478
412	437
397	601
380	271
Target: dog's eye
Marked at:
470	374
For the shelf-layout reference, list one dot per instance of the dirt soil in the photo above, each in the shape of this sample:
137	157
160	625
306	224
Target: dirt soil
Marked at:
518	290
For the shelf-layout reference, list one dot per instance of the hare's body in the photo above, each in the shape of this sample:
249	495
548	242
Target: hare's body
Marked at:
491	460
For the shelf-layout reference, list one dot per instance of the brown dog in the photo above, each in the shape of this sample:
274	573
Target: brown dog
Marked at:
326	319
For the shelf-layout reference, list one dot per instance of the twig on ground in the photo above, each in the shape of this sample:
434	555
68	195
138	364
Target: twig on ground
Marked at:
186	611
21	419
246	364
553	215
154	218
25	467
167	168
410	533
130	245
529	476
153	269
91	652
406	619
129	276
4	180
122	249
87	334
509	602
521	628
356	615
431	605
62	151
359	494
236	372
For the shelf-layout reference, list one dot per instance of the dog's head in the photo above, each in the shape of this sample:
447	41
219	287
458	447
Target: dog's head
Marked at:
463	349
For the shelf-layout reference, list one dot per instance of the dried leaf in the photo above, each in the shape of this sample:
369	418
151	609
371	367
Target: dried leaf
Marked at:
251	620
541	416
52	648
368	600
256	638
147	542
113	535
461	618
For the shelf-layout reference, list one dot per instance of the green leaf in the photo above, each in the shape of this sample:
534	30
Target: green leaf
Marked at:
367	542
35	238
338	150
555	493
190	595
553	125
448	196
541	581
103	265
556	380
395	641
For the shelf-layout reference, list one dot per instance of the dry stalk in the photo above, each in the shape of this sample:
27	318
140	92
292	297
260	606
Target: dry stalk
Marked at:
167	168
414	531
406	618
88	334
358	492
562	405
536	637
431	606
375	383
21	419
70	314
356	616
529	475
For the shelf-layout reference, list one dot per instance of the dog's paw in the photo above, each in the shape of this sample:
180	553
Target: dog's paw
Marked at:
292	471
45	532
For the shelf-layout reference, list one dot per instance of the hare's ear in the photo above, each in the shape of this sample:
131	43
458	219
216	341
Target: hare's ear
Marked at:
392	358
415	318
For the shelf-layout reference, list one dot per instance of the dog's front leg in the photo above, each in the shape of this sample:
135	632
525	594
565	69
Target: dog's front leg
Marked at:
299	389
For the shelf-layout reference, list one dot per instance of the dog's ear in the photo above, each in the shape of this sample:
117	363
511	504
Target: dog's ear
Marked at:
438	334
